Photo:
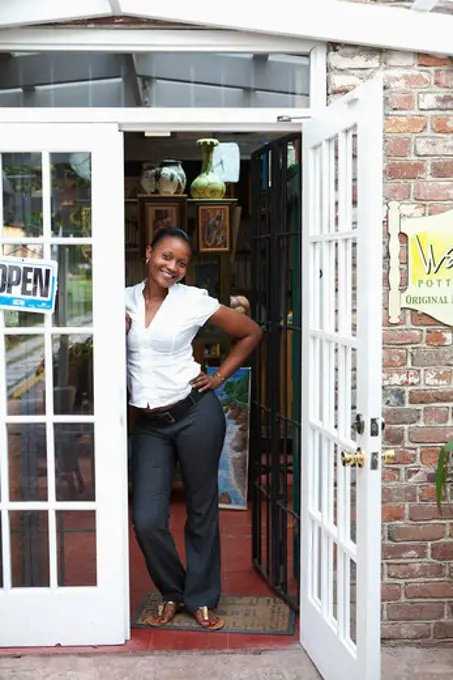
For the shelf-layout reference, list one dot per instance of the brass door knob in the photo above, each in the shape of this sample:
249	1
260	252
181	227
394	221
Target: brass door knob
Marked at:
356	459
388	457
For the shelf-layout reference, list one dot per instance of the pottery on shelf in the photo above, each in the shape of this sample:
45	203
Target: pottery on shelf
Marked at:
171	179
207	184
147	178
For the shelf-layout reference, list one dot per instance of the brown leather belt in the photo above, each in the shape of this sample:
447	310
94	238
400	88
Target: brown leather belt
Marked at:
175	412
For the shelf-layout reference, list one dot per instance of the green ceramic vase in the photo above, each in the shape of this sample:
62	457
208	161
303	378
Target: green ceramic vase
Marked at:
207	184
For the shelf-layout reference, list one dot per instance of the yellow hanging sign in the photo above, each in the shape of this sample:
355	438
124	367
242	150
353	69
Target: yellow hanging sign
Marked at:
429	265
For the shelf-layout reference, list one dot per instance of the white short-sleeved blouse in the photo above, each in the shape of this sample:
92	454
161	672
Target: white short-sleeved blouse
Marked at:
160	363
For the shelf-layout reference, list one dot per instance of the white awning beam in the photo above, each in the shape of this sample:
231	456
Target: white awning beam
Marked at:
337	21
424	5
29	12
133	40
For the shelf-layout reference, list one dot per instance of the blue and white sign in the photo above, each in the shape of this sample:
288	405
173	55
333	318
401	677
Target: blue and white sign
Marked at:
28	285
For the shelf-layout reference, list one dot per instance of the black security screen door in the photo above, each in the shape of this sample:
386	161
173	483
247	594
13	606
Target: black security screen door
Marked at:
276	382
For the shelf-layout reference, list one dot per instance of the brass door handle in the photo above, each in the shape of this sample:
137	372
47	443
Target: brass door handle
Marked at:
356	459
388	457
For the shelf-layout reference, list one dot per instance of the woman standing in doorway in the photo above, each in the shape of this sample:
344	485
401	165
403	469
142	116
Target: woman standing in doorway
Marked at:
178	418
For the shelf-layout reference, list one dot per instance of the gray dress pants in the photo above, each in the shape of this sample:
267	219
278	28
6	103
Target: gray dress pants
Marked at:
195	441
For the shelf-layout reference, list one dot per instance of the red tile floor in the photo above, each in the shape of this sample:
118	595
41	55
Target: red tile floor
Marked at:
239	578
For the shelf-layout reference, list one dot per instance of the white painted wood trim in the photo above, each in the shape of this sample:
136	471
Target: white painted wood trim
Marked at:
127	40
130	119
326	21
27	12
318	77
394	218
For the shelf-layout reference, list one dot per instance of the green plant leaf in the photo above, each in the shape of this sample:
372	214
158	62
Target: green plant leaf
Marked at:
443	464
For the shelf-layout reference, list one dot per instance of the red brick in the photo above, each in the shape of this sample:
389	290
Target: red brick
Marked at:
428	493
428	435
428	591
399	493
443	78
425	512
397	192
415	611
429	101
438	377
432	356
442	551
398	146
392	513
394	435
405	124
429	455
401	101
416	532
432	60
402	416
389	475
442	124
405	170
402	337
405	631
435	336
395	357
408	80
391	592
413	570
400	377
404	551
433	191
430	396
419	319
442	169
434	209
443	630
435	415
419	475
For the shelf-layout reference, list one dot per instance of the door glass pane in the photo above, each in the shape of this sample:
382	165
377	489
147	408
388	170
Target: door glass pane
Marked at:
27	462
74	304
73	374
71	194
76	545
22	196
29	549
25	375
74	462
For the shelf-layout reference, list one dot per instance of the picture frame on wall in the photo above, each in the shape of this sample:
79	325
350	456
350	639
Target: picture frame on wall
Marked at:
163	211
214	230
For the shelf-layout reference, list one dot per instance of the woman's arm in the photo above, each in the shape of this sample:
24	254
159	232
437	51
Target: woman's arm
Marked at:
248	335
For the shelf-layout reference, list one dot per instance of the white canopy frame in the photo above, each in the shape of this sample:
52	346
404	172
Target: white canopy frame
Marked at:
342	21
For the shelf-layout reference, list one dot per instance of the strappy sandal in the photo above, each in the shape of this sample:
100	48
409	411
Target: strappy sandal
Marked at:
208	619
166	612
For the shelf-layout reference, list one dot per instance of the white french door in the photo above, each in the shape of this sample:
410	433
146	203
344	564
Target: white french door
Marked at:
341	386
63	490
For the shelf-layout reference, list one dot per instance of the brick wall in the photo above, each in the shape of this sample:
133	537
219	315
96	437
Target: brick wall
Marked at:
418	354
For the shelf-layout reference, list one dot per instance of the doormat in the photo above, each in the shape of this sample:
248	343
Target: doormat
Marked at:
241	613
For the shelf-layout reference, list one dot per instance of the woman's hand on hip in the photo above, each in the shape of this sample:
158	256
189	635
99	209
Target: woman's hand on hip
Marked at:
204	382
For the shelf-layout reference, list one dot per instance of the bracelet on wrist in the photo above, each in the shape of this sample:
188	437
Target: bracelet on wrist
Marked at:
218	375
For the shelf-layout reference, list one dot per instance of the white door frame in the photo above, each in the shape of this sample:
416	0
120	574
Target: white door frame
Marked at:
185	119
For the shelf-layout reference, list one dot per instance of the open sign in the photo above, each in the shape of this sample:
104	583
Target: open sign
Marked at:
28	285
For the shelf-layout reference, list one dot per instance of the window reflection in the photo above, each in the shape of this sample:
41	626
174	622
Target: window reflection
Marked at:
29	549
74	462
73	374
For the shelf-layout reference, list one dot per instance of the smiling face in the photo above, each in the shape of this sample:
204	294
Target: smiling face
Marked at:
168	261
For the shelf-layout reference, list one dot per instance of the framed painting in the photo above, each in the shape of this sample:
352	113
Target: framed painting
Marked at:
159	212
234	395
214	228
